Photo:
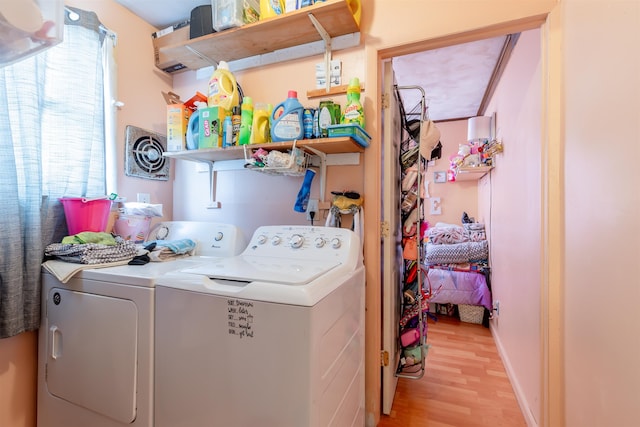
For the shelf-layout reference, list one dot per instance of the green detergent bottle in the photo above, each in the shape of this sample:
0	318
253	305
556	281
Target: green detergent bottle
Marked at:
353	112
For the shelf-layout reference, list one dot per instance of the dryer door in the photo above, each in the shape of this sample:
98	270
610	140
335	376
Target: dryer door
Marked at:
91	352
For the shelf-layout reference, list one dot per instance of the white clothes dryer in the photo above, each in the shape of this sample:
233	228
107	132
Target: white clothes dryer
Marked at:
273	337
95	361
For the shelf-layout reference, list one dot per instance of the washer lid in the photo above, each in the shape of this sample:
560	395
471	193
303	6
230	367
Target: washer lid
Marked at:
265	269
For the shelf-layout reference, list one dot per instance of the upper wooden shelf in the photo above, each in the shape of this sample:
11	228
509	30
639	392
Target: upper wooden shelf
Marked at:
265	36
337	145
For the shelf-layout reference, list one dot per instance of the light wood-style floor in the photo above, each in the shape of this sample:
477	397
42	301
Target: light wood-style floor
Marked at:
465	384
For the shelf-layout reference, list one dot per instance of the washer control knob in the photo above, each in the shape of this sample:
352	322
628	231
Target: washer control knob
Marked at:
335	243
218	236
275	240
262	239
296	241
319	242
162	232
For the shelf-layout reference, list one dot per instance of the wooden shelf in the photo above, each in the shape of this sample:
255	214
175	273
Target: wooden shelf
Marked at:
265	36
325	145
472	173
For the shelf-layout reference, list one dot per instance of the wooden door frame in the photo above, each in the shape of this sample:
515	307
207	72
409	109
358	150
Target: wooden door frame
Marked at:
552	227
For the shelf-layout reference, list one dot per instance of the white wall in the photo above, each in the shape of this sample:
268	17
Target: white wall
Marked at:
602	211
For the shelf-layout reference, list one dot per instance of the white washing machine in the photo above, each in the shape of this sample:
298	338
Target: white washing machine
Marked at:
273	337
95	358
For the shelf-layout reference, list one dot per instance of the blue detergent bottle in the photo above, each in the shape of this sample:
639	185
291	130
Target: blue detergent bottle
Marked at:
287	119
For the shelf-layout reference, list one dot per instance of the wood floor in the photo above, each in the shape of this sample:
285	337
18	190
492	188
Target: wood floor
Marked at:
465	384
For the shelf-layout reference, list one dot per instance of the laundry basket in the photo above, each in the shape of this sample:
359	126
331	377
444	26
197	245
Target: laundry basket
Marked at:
83	214
133	227
471	313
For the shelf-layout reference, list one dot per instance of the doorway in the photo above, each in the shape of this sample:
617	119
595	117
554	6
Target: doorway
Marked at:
492	206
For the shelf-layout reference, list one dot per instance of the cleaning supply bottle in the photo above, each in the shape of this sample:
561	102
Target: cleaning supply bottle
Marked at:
223	88
227	132
287	119
305	190
246	119
353	111
260	129
236	119
270	8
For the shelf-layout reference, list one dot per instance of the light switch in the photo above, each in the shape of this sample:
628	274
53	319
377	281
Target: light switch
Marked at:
435	208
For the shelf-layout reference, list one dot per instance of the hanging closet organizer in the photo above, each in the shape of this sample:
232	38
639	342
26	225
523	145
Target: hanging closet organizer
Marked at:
421	137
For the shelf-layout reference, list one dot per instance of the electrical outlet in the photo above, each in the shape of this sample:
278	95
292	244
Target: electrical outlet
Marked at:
144	198
496	307
312	206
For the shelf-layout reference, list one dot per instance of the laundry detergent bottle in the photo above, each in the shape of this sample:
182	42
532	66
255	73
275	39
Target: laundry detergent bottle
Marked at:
353	112
246	121
287	119
260	129
223	88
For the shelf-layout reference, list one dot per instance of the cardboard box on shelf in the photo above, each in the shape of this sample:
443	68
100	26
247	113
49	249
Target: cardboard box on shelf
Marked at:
178	114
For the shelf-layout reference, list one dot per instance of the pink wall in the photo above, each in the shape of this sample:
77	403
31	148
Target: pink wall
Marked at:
456	197
511	207
18	378
602	211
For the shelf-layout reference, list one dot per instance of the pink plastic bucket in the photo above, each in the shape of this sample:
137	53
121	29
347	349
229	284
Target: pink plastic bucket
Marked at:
87	215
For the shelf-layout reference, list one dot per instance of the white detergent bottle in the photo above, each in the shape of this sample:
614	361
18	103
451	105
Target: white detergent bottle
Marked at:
223	89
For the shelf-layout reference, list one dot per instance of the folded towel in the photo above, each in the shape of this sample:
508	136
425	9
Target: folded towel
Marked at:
180	246
93	253
64	271
90	237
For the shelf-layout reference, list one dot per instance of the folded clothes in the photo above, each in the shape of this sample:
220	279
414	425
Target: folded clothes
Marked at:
93	253
457	253
447	234
90	237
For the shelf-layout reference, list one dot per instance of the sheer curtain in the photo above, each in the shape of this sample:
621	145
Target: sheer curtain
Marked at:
52	144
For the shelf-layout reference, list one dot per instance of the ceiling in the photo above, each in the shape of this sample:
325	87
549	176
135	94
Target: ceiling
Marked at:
456	79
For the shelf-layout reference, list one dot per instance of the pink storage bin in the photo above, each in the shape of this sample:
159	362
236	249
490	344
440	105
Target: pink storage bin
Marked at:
84	214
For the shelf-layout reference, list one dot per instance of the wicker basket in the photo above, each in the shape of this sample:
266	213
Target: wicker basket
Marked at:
471	313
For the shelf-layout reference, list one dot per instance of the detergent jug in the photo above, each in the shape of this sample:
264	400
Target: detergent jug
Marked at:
353	112
260	129
287	119
223	89
270	8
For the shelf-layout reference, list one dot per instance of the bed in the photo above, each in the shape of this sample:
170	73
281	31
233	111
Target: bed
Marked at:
456	265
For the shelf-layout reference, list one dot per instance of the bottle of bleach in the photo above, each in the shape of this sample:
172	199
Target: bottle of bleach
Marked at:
223	89
287	119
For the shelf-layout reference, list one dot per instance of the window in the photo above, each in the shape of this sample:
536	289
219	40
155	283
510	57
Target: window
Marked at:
52	133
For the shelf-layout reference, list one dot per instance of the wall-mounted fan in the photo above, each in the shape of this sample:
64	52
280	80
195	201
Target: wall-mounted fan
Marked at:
143	154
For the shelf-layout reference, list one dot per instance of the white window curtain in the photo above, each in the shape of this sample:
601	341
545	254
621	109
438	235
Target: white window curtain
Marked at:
52	144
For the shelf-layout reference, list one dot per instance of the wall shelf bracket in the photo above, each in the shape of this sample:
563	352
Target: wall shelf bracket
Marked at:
323	170
213	176
327	50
